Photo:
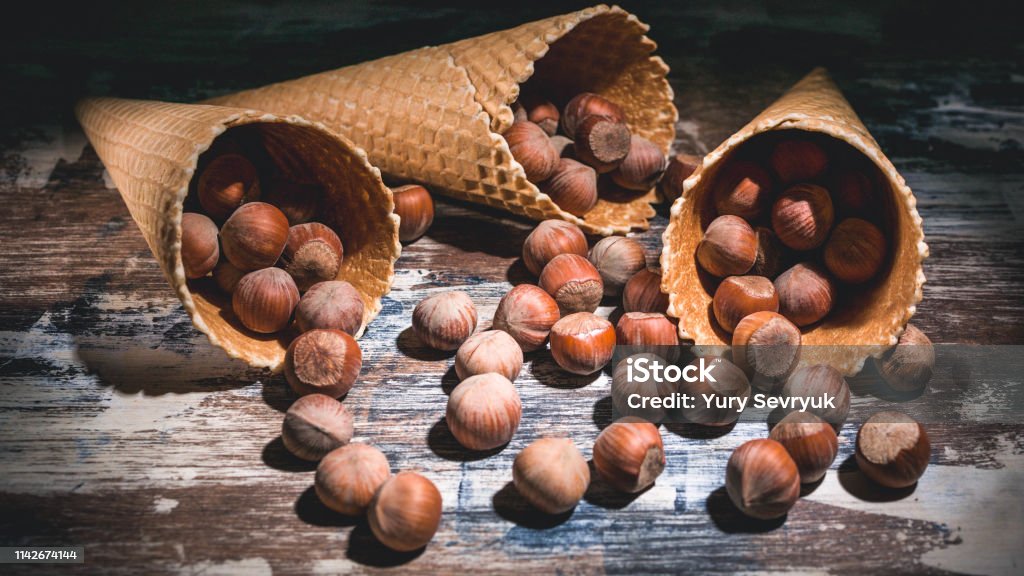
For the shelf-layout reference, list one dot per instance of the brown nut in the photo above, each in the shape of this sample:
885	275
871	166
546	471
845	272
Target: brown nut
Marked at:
728	248
563	146
648	330
265	299
551	474
542	113
323	362
533	150
641	384
643	166
766	346
908	366
415	207
527	313
335	304
810	441
601	142
199	248
762	480
806	293
582	343
483	411
770	255
744	189
798	161
802	216
817	382
679	168
312	254
629	455
315	425
730	387
549	239
617	259
893	449
227	276
855	251
405	512
588	104
852	192
573	186
643	293
298	201
254	236
226	183
348	477
740	296
490	351
573	282
444	321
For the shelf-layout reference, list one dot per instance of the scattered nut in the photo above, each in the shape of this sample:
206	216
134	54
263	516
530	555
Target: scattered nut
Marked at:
643	293
551	474
490	351
226	182
893	449
623	387
770	257
227	276
444	321
312	254
798	161
744	189
810	441
527	313
617	259
323	362
647	331
588	104
582	343
806	293
542	113
265	299
802	216
855	251
730	385
335	304
572	186
348	477
533	150
254	236
405	512
728	248
483	411
762	480
549	239
601	142
908	366
629	455
415	208
199	248
573	282
815	381
680	167
643	166
766	346
315	425
740	296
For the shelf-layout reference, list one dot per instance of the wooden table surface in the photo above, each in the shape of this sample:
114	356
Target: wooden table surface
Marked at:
122	430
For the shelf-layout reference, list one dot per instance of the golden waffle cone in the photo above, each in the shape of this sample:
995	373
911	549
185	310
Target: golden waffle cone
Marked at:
869	321
151	150
435	115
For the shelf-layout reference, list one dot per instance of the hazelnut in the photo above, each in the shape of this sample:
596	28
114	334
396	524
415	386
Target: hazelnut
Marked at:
582	343
315	425
254	236
855	251
490	351
798	161
588	104
852	192
766	346
642	167
483	411
617	259
312	254
415	208
629	455
549	239
573	186
551	474
405	512
298	201
646	387
573	282
680	167
770	256
562	145
643	293
762	480
519	112
802	216
728	248
805	292
740	296
444	321
601	142
730	382
199	248
649	331
323	362
333	304
533	150
527	313
810	442
813	382
542	113
744	189
893	449
227	276
908	366
226	182
265	299
348	477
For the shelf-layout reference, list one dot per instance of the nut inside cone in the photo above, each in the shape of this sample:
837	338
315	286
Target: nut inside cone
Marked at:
865	315
350	205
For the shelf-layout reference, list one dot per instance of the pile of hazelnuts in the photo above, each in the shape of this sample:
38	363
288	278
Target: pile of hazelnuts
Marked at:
584	152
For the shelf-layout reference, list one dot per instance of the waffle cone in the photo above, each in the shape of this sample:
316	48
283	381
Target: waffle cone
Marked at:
151	150
435	115
872	316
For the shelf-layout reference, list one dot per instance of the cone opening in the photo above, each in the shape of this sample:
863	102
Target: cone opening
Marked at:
312	176
858	306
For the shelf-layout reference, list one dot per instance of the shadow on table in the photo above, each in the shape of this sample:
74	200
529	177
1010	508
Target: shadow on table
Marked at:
544	368
278	457
728	518
510	505
603	413
364	548
600	493
410	345
860	486
277	393
312	511
443	443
